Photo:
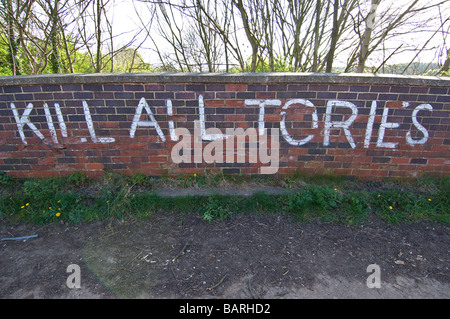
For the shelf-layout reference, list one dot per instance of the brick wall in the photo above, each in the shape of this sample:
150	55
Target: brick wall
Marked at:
362	125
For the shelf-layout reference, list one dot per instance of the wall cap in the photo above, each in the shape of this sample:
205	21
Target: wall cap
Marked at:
245	78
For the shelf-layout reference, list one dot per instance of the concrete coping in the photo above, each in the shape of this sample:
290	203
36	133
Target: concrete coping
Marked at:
244	78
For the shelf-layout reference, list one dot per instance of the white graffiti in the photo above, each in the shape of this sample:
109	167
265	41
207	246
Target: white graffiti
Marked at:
137	120
213	152
344	125
90	125
284	132
215	134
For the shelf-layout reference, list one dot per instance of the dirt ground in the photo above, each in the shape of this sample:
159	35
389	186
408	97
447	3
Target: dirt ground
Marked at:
247	256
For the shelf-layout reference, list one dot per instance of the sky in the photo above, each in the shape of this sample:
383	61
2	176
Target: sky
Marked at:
126	24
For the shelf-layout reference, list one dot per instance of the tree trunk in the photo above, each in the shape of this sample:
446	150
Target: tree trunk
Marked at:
316	37
334	37
98	62
54	56
370	22
445	68
12	54
250	36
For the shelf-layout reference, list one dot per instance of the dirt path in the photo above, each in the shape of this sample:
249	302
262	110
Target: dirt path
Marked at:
248	256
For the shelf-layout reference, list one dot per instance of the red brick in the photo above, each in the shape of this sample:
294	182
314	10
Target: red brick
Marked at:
236	87
93	166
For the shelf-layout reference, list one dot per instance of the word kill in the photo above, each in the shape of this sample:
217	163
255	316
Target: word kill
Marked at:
24	119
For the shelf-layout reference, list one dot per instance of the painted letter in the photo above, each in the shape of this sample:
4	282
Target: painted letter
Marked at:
201	112
424	131
369	126
62	124
262	104
152	123
345	125
51	127
90	125
285	133
384	125
173	135
21	121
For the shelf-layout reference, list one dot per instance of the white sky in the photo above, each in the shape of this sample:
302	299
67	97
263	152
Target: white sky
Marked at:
126	23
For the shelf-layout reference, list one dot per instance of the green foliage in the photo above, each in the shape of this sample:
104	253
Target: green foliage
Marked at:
313	201
5	179
78	179
76	199
215	209
140	179
396	206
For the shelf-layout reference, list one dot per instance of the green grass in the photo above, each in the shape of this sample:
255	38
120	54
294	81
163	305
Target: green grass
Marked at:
76	199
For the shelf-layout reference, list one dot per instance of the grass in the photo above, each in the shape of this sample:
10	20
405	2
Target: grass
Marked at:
76	199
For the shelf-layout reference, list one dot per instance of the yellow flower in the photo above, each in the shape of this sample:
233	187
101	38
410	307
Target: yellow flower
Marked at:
59	208
195	175
49	208
27	204
429	199
43	212
58	214
335	189
59	201
379	195
22	206
107	201
390	207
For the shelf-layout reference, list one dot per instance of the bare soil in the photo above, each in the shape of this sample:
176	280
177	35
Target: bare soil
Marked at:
247	256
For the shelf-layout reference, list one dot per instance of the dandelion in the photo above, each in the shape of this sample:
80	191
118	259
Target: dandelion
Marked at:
335	189
50	208
429	199
58	214
379	195
195	175
59	208
390	207
22	206
59	201
27	204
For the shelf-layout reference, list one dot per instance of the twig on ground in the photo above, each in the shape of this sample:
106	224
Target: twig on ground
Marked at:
180	253
218	284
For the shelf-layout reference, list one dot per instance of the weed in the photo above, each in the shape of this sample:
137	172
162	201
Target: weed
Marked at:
78	179
5	179
214	209
140	179
65	199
